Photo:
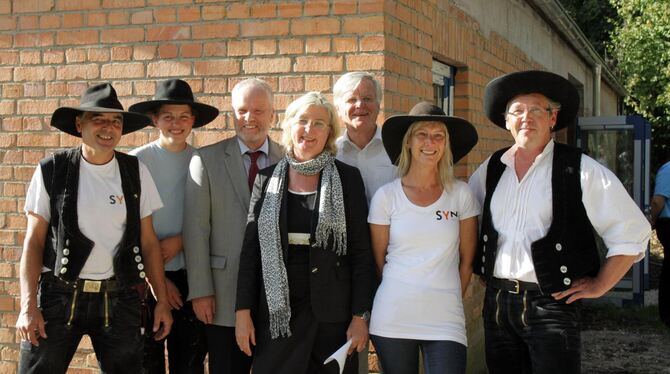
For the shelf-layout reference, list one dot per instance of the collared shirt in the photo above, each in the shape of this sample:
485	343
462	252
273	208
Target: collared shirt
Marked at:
522	211
263	160
663	188
372	161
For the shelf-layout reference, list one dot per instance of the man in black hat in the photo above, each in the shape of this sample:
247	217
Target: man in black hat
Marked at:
89	236
175	113
537	253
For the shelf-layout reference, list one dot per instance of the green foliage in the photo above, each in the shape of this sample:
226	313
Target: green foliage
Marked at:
592	17
640	44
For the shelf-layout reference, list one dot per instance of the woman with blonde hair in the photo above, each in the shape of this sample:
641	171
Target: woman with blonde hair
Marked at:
423	227
306	278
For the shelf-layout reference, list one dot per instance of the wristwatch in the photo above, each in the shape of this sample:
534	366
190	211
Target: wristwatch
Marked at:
365	316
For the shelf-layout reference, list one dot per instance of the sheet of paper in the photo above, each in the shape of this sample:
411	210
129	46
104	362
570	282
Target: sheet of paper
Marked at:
340	355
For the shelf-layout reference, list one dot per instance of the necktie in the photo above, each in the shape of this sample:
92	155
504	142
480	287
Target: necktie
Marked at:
253	168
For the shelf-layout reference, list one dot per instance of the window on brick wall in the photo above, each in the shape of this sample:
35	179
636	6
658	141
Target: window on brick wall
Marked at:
443	86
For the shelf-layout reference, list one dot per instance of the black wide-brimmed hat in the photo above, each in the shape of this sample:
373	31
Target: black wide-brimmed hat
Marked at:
501	90
99	99
462	135
176	91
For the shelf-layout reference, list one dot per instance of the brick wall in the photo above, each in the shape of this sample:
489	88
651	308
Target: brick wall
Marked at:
51	50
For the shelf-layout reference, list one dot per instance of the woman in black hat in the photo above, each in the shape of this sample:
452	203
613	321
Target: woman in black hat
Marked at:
423	228
175	113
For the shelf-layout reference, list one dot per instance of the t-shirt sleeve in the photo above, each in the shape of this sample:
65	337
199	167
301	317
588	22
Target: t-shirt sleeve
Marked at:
662	187
469	205
150	200
380	206
37	198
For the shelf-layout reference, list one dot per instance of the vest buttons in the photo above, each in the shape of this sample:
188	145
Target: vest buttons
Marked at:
483	259
67	242
142	274
63	270
66	251
486	238
566	281
483	248
138	258
315	269
140	266
482	270
559	246
64	261
564	269
136	249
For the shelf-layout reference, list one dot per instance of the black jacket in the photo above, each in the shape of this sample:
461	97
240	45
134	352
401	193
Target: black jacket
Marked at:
340	286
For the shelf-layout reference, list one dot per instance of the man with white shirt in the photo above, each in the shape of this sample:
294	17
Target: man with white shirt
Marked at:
89	236
357	96
218	189
537	254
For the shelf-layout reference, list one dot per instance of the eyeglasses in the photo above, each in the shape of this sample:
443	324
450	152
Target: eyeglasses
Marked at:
533	112
317	125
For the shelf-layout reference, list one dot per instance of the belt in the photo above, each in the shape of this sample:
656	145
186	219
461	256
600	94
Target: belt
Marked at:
86	285
512	285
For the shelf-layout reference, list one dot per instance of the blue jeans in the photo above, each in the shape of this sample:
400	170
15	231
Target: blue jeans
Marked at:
186	344
401	356
112	322
530	333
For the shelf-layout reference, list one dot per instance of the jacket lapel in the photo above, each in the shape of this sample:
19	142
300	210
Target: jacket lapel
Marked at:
234	166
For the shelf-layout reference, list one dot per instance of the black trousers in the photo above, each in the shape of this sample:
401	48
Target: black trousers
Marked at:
225	357
663	233
186	343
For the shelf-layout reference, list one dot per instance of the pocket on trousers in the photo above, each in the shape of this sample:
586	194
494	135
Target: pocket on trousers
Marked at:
53	303
125	309
217	262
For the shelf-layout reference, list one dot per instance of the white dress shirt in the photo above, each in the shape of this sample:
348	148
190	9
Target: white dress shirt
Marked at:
522	211
263	161
374	164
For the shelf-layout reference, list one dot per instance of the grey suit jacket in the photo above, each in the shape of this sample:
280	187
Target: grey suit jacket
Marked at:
215	216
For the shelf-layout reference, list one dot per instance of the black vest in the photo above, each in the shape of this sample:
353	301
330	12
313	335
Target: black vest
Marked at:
66	249
568	251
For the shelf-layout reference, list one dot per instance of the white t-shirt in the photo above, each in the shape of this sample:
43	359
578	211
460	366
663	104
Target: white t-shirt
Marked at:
420	294
101	210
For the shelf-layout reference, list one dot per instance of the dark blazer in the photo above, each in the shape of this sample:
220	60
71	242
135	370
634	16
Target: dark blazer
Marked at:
340	286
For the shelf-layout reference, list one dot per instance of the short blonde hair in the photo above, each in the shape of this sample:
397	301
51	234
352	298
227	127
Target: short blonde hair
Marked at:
445	166
297	106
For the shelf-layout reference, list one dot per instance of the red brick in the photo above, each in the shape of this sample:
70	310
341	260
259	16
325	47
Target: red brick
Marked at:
7	107
144	52
6	41
277	28
42	140
191	50
266	65
165	2
121	53
125	35
33	73
169	69
28	40
96	19
30	57
166	50
77	5
122	3
291	84
32	123
25	173
53	56
77	71
263	11
75	89
316	8
264	47
77	37
45	106
237	11
6	237
216	30
317	45
17	222
363	25
167	33
118	18
13	190
217	67
344	7
122	71
372	43
33	89
365	62
216	49
7	140
371	6
9	57
27	22
290	9
217	86
98	54
144	88
75	55
7	22
49	21
12	125
73	20
169	15
210	13
6	271
12	91
142	17
6	172
239	47
290	46
345	44
315	26
310	63
32	6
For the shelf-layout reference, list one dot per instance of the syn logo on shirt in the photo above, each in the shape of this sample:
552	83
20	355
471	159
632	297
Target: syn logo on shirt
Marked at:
445	215
115	199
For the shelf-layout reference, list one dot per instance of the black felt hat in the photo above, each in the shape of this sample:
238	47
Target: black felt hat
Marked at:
462	135
176	91
504	88
98	99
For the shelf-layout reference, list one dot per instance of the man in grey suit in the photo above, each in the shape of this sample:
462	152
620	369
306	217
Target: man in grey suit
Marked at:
215	215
